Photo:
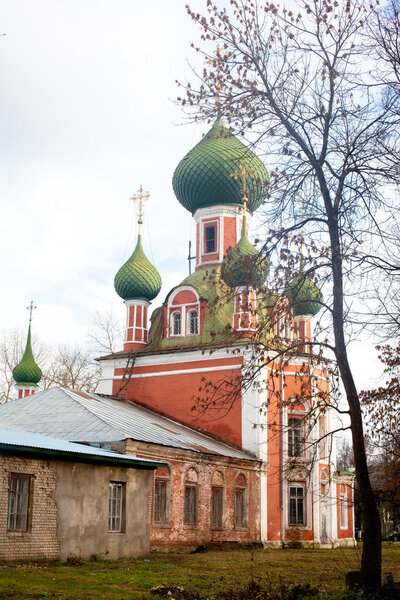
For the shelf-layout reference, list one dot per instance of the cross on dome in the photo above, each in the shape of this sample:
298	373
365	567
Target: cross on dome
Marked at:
31	308
244	170
140	197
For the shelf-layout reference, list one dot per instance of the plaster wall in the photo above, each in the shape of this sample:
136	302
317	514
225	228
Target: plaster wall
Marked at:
81	495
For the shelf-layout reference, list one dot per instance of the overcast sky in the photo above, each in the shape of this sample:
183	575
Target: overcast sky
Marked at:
86	117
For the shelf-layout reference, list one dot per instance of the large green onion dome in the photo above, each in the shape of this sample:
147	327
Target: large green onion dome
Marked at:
304	295
137	279
203	177
27	372
243	265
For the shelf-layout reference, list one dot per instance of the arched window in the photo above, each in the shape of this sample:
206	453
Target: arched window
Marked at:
176	323
191	497
161	499
193	322
217	499
241	501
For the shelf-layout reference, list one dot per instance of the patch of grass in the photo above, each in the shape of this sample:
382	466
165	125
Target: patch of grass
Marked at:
204	575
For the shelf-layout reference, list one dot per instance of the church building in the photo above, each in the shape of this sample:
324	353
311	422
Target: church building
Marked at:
220	383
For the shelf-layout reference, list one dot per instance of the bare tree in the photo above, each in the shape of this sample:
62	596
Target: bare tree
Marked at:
106	334
296	79
73	368
68	367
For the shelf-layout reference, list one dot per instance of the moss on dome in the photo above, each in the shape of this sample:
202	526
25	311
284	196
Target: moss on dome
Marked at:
27	371
203	177
137	279
304	295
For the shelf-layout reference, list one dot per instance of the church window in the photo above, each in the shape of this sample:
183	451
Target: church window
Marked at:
190	504
296	505
217	506
240	502
160	501
343	508
115	506
18	502
176	323
295	437
193	322
161	498
210	239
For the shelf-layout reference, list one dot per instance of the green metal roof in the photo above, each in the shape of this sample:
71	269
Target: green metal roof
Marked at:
243	265
27	371
218	318
137	279
203	177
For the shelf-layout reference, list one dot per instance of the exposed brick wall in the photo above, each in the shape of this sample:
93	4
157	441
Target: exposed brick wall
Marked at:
40	541
210	469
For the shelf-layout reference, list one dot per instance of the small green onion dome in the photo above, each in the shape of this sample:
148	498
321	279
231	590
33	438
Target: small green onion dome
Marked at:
27	372
203	177
243	265
137	279
304	295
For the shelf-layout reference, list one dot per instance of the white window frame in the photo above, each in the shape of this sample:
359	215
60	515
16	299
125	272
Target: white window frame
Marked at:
188	321
292	440
116	495
172	323
343	508
297	486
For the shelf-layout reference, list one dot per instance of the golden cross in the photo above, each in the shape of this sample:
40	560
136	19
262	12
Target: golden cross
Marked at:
140	197
243	171
31	308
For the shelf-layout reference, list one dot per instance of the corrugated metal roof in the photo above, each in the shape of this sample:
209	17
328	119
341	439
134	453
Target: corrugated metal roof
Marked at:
90	418
20	440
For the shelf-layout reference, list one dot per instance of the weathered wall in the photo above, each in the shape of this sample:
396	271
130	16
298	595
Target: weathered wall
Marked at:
68	512
82	498
175	532
40	541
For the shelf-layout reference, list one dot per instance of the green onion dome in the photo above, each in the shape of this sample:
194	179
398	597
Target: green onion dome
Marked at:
203	177
243	265
137	279
27	372
304	295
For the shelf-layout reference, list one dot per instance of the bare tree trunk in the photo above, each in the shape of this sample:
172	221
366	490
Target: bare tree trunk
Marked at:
371	554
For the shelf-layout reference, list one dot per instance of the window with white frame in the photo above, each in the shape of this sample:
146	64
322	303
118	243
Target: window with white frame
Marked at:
115	506
193	322
343	508
295	437
176	326
296	505
18	502
210	241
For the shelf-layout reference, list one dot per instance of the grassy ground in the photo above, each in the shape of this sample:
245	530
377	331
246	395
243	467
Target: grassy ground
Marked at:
208	573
